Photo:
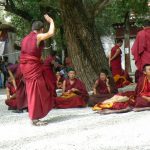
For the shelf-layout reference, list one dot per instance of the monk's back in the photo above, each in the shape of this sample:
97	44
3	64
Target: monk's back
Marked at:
29	45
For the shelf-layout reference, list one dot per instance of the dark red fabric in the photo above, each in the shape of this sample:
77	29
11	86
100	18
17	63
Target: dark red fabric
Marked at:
141	48
116	63
77	101
39	95
29	45
102	87
21	95
11	102
129	103
48	69
142	89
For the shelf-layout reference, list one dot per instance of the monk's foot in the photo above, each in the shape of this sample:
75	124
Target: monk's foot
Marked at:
39	123
18	111
141	109
11	108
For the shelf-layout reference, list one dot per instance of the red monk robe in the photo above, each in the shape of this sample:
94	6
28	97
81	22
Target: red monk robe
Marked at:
48	69
143	89
11	96
141	49
39	91
21	96
121	77
73	100
102	92
119	101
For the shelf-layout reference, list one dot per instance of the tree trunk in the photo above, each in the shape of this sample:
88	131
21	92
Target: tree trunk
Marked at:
127	43
84	45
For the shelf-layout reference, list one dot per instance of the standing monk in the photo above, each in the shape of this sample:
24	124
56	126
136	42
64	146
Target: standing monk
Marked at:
39	95
121	77
141	48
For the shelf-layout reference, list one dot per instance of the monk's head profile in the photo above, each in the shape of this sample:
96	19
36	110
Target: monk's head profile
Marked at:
38	26
146	23
119	42
103	74
146	69
71	74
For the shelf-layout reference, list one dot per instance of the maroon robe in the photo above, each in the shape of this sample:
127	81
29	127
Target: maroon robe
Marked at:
48	69
141	49
102	93
12	101
39	91
142	89
116	63
116	68
21	96
79	100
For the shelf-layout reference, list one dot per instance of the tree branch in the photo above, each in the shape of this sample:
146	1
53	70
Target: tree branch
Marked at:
9	6
99	6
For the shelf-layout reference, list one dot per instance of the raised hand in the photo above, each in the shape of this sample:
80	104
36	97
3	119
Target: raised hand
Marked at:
47	18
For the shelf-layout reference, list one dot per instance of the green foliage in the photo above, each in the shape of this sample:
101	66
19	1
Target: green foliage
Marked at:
116	12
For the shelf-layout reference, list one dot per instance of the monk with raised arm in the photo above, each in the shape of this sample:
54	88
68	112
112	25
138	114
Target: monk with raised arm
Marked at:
74	93
39	95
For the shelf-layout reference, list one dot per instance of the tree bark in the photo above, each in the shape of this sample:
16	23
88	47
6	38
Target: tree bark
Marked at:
84	45
127	43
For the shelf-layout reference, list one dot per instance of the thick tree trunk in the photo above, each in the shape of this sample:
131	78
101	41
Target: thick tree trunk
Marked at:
84	45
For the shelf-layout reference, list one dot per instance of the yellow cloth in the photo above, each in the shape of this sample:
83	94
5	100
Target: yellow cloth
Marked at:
68	95
107	104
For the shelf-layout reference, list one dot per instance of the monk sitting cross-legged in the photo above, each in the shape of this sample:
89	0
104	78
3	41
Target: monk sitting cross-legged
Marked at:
103	89
74	93
143	90
11	95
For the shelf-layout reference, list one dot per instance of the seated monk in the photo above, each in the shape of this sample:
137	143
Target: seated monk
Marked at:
11	95
143	90
103	89
74	93
59	80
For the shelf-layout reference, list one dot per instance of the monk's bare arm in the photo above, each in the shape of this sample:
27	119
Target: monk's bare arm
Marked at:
13	79
13	96
108	85
8	93
50	33
146	98
95	86
116	54
64	87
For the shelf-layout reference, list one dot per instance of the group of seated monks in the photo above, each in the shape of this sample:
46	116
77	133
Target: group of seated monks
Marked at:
105	98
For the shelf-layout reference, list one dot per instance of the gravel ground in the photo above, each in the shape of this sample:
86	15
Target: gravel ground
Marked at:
75	129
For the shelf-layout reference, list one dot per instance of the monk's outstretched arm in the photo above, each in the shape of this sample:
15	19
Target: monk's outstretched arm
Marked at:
64	87
116	54
146	98
95	86
108	85
8	93
13	79
50	33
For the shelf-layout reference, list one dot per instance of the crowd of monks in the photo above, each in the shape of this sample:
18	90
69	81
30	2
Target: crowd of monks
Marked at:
32	83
